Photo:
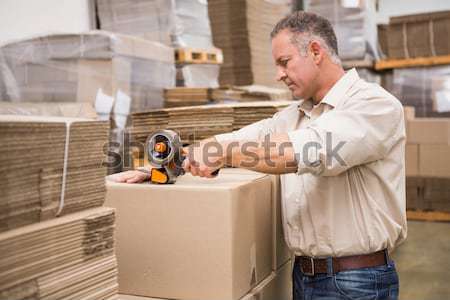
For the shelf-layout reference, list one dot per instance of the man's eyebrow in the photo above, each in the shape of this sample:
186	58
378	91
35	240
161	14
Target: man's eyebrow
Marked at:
281	58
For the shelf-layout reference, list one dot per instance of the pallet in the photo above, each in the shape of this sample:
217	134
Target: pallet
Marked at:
363	63
435	216
198	56
412	62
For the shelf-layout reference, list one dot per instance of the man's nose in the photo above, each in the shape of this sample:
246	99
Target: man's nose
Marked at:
281	74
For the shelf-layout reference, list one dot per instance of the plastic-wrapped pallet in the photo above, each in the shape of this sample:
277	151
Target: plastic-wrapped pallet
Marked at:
118	74
179	23
354	23
149	19
425	88
198	75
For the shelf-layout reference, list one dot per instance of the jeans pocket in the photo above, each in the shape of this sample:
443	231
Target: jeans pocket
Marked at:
356	285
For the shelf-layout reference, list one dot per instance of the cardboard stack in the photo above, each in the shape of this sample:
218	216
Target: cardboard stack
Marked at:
242	30
418	35
425	88
203	239
194	123
56	242
32	160
249	93
71	257
182	96
428	164
354	23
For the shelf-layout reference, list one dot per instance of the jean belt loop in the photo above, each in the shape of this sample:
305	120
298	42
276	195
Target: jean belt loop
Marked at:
329	266
386	256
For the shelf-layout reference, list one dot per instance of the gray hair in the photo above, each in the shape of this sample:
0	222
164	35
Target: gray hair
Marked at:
306	27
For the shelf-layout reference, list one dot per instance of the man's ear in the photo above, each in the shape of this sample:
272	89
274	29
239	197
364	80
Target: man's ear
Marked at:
316	51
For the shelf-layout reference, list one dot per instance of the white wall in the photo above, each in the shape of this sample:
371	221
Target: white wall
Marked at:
388	8
25	18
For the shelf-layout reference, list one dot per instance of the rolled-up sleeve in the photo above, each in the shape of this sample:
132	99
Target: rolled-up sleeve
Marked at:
253	131
361	131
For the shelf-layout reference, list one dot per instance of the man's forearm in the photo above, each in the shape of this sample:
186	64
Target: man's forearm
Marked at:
273	155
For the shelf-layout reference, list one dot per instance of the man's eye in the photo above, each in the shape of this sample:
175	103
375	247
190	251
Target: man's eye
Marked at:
284	62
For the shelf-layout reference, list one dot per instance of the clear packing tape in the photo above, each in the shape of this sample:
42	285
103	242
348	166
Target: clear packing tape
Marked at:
426	88
115	73
354	22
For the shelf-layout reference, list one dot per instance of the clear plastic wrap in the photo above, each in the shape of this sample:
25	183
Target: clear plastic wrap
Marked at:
425	88
118	74
354	23
178	23
199	76
149	19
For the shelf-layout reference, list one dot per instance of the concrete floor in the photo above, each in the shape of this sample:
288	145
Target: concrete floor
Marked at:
423	261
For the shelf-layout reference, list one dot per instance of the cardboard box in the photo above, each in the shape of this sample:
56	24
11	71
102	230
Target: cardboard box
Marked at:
434	160
281	252
412	159
429	131
278	286
409	112
197	239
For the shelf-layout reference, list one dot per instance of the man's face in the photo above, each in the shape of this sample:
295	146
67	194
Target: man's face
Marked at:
296	71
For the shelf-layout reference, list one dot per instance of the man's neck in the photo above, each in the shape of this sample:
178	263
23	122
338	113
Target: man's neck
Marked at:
332	75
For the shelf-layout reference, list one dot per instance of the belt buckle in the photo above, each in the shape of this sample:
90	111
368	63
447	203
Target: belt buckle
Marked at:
312	268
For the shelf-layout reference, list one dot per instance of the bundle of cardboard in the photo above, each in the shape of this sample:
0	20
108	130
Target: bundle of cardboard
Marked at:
71	257
418	35
49	166
182	96
242	30
200	122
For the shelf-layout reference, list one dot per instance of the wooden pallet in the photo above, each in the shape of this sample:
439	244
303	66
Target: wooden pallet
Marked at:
198	56
412	62
420	215
363	63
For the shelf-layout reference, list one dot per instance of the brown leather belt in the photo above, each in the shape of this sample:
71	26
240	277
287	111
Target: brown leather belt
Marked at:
311	266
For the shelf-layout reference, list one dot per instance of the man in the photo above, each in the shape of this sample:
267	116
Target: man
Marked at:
341	155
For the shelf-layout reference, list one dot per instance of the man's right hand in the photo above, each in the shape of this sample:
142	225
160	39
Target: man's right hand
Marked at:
133	176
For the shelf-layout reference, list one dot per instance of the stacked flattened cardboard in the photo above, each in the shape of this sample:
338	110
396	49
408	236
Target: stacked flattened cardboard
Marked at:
226	226
183	96
249	93
354	23
428	164
200	122
71	257
242	30
56	242
418	35
38	156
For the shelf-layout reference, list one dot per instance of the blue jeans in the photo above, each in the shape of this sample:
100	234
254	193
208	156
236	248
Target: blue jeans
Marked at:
368	283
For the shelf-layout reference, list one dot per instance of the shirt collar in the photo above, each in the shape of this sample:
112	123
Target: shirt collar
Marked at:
335	94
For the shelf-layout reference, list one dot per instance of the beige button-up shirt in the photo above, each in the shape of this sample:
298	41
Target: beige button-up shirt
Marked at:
348	196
